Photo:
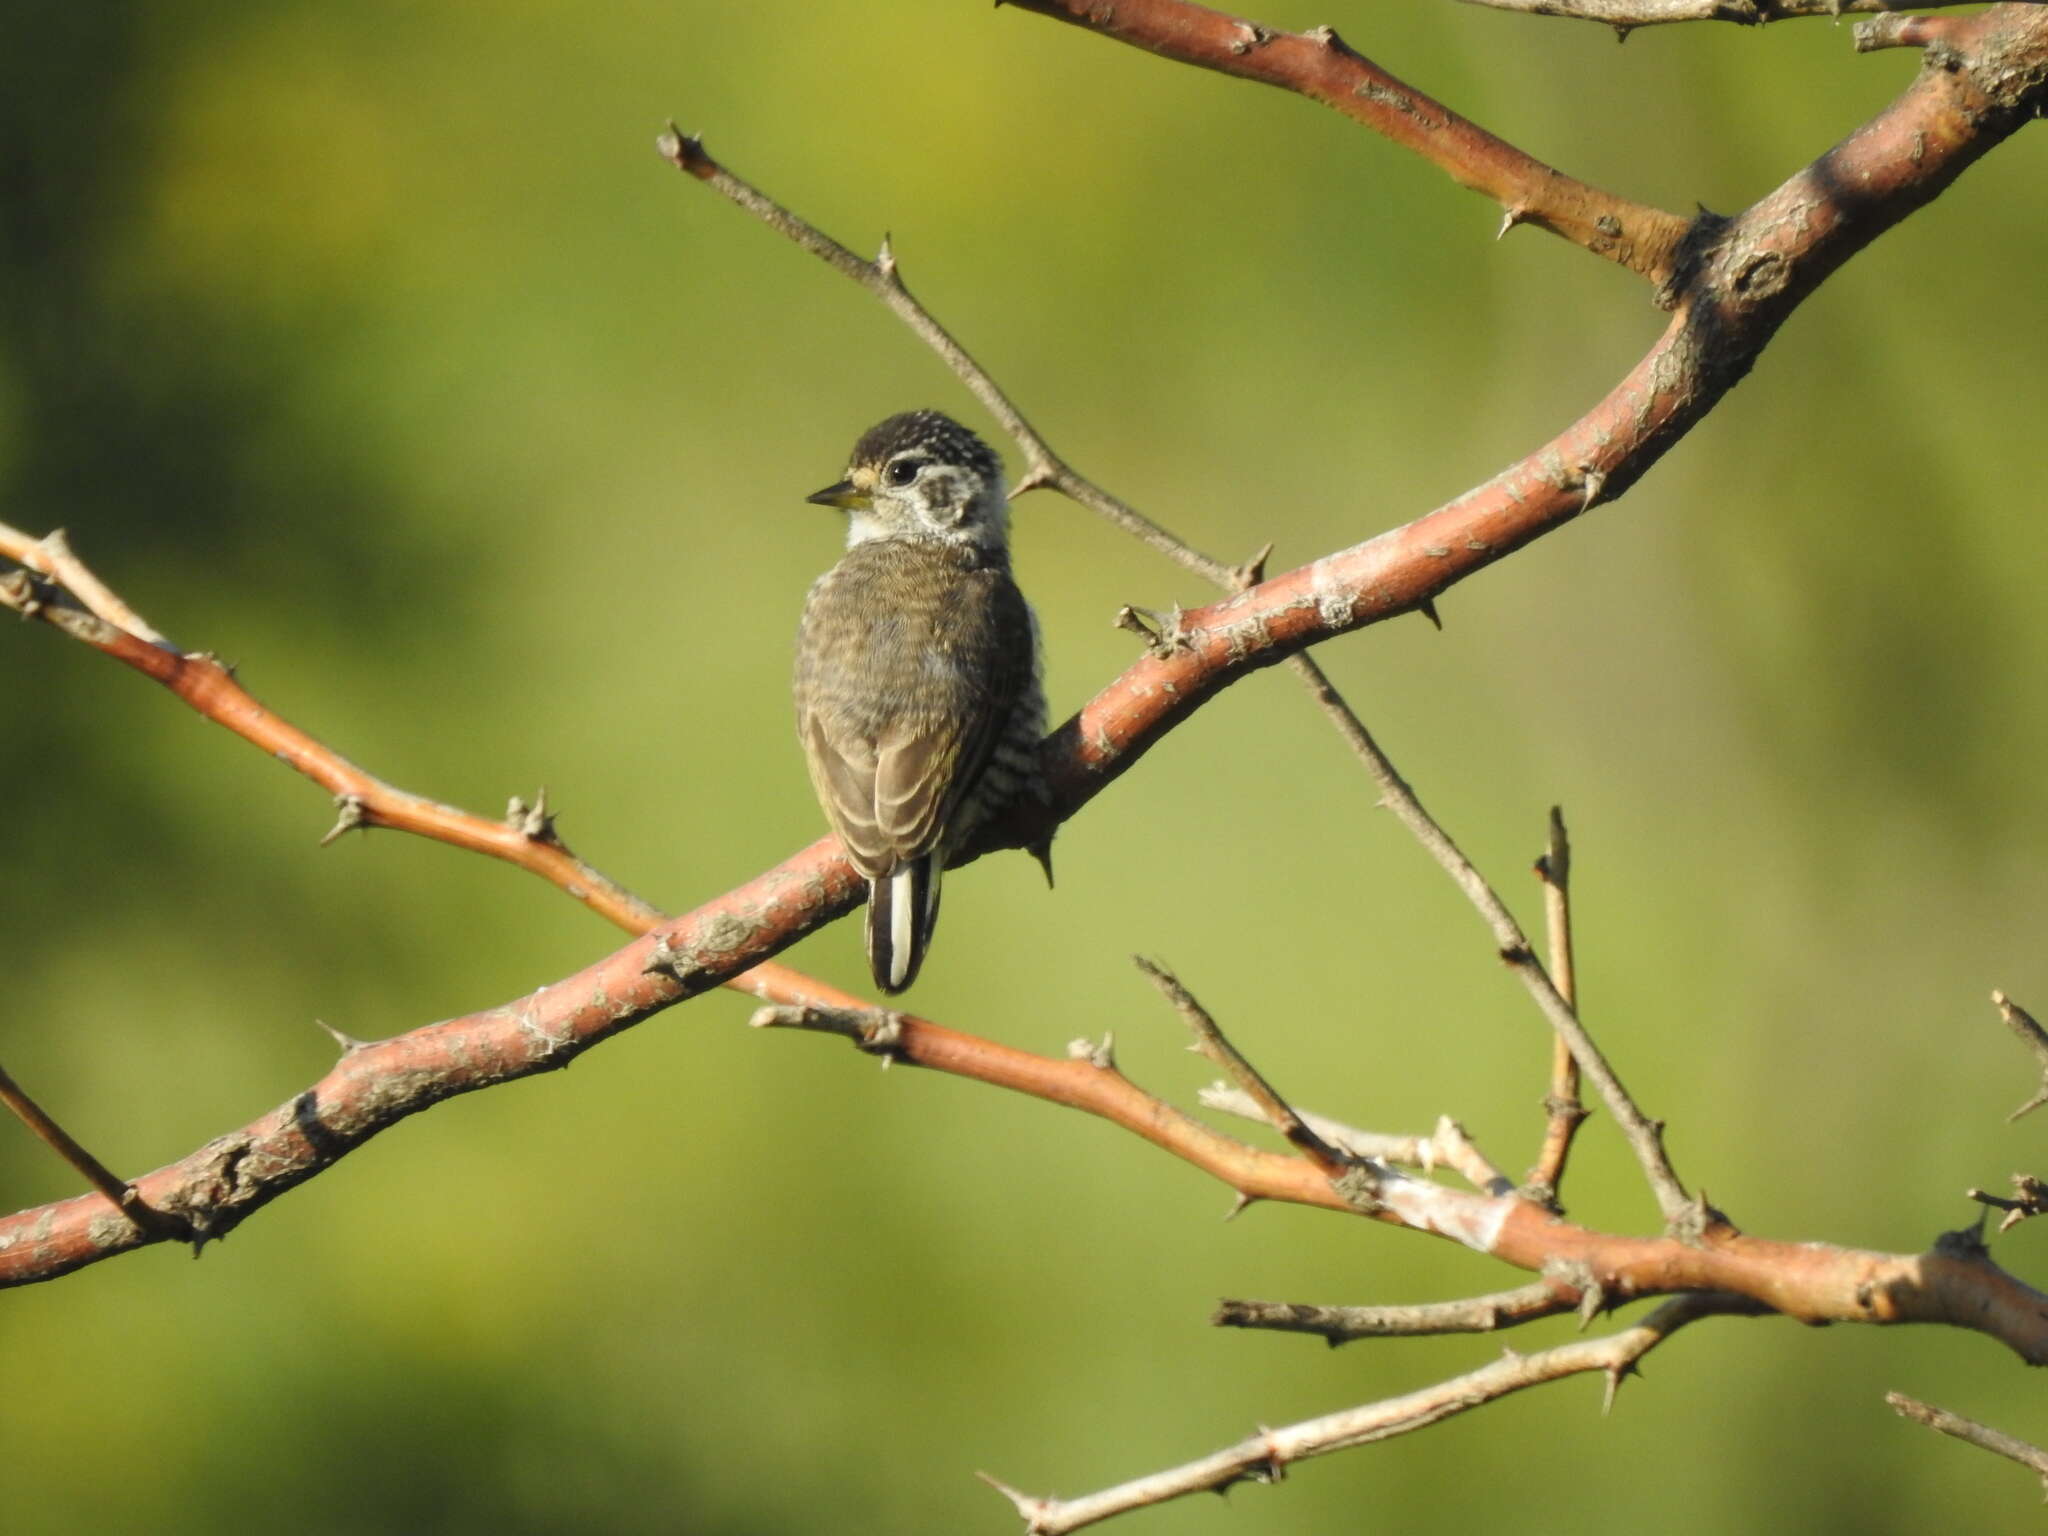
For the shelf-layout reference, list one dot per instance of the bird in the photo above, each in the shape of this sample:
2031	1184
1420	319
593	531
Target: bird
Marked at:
919	701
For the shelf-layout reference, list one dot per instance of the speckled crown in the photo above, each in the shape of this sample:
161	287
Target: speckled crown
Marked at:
932	431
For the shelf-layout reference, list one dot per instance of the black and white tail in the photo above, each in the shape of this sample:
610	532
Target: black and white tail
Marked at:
903	908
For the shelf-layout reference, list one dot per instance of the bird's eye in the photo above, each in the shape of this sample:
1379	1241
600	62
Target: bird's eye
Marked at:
902	471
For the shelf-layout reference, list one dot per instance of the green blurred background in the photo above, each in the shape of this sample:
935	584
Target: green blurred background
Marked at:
374	348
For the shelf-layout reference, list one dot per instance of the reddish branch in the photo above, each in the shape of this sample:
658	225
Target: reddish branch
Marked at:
1320	66
1749	272
525	838
375	1085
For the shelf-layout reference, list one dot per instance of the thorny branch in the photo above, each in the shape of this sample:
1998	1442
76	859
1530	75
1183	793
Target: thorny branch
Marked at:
2034	1038
881	278
1274	1110
1980	1435
1446	1147
1318	64
1265	1457
1645	1136
86	610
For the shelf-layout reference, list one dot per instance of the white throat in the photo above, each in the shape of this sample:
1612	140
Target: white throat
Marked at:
985	526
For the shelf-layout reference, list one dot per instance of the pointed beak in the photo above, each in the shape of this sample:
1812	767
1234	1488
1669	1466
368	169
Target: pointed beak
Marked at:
845	494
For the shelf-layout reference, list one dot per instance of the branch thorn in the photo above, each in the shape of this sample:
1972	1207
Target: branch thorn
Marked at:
685	151
1592	1302
679	962
349	1043
1100	1054
1162	636
1615	1375
1255	36
351	815
534	822
1253	571
1029	1508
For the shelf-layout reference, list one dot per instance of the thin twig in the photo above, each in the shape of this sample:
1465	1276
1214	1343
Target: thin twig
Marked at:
882	278
1645	1135
2029	1198
213	689
1985	1438
2034	1037
1265	1457
526	837
1448	1146
125	1197
1342	1325
1272	1108
1563	1111
1626	15
52	556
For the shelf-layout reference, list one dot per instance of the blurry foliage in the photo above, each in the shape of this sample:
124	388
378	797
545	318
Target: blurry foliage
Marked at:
374	348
